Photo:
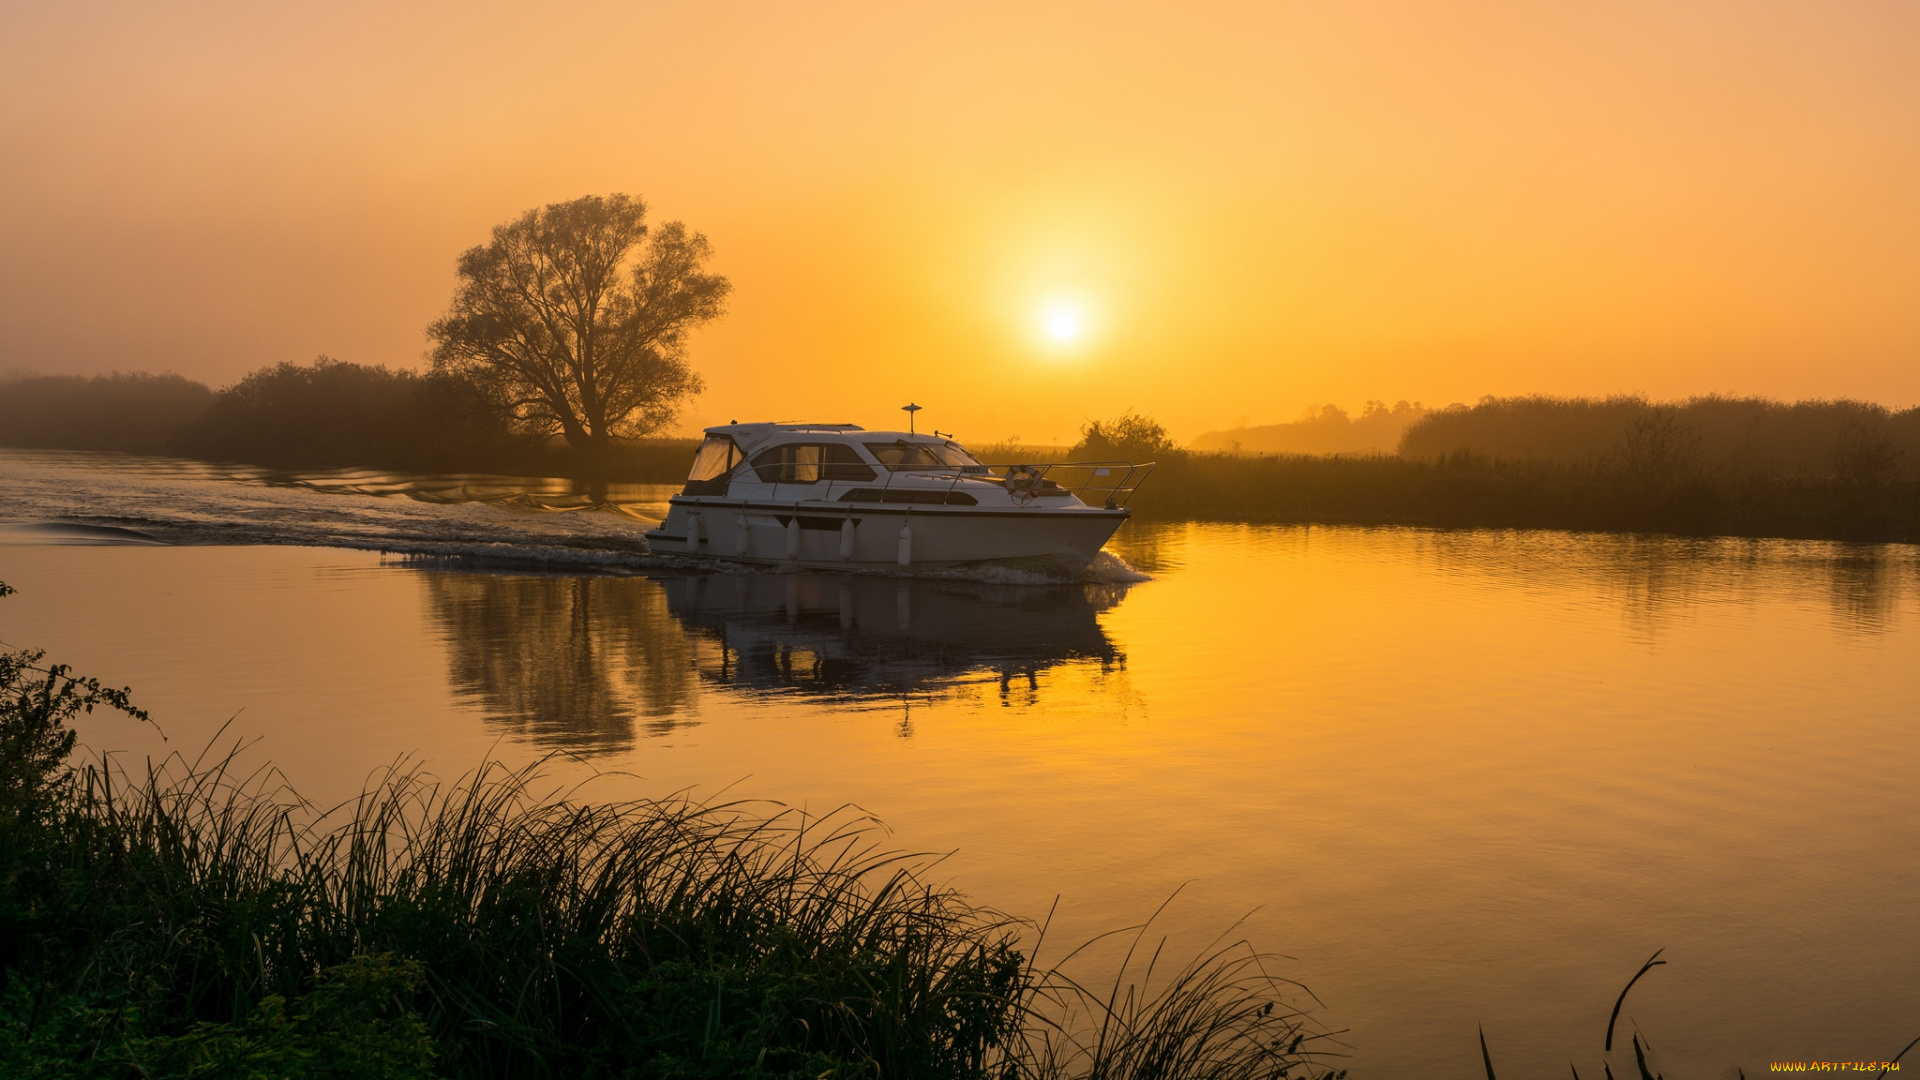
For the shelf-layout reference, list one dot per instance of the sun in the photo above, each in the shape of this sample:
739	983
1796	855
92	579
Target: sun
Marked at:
1064	324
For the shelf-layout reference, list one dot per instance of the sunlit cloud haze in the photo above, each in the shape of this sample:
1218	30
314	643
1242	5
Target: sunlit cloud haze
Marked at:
1019	215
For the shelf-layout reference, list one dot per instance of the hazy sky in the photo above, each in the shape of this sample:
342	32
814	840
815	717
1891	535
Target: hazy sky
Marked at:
1229	211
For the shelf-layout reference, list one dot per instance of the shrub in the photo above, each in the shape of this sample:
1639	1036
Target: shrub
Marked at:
1128	436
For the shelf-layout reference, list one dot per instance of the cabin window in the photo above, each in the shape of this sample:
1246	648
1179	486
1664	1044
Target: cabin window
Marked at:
712	464
842	462
807	463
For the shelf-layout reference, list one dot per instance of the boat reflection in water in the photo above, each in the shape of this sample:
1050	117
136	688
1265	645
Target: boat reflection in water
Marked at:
590	664
855	638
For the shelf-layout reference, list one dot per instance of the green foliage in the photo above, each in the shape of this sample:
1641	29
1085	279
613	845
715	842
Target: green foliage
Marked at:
36	703
358	1021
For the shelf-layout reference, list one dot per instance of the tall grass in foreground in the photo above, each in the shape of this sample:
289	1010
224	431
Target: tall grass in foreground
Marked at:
186	920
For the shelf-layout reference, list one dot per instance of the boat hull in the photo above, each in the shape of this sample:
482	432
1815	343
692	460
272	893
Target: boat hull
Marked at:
816	534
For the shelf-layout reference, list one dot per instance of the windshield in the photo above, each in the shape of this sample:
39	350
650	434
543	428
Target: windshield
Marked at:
902	454
951	454
716	457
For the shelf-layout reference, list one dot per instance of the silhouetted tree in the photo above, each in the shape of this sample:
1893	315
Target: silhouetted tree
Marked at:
575	319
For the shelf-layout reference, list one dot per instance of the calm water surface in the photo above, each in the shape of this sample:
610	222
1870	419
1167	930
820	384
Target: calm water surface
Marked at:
1461	778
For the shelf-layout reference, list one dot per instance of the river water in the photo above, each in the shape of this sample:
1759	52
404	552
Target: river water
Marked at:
1461	779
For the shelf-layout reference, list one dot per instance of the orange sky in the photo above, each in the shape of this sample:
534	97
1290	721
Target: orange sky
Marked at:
1244	209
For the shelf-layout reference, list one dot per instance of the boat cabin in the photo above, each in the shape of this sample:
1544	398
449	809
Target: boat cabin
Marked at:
837	454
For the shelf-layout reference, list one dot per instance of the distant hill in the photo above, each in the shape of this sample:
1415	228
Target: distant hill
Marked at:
1327	429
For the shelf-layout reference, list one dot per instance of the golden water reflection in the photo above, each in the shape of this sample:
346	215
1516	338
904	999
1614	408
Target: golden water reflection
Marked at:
590	663
568	662
1653	580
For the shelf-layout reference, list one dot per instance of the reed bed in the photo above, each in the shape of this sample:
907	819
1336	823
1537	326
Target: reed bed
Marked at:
1462	490
187	919
1841	470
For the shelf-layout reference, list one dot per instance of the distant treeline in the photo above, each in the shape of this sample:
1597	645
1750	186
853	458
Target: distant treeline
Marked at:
1714	435
136	413
1325	429
329	414
1707	466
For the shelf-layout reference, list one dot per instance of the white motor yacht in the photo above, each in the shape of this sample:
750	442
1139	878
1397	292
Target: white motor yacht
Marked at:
836	496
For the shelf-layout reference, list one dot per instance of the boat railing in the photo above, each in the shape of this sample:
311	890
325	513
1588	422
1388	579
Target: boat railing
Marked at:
1097	483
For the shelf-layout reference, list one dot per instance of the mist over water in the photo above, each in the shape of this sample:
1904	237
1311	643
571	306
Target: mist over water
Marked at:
1463	778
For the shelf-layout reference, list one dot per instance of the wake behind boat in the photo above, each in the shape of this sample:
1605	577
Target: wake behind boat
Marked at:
835	496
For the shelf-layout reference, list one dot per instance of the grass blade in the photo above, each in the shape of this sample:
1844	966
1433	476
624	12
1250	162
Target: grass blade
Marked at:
1653	961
